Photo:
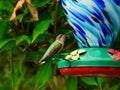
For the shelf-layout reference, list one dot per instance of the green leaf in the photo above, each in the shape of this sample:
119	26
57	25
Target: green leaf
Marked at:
23	38
89	81
21	60
72	83
16	79
3	28
40	28
5	42
40	3
43	74
20	17
99	80
25	11
5	5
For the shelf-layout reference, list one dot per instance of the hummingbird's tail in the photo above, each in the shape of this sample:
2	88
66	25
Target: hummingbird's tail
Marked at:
42	61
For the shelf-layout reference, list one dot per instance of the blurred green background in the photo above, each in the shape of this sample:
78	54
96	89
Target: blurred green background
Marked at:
25	39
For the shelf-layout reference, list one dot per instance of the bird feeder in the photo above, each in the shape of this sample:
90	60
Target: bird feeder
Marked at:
96	24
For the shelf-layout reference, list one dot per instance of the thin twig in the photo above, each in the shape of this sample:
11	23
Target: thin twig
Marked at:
55	17
11	68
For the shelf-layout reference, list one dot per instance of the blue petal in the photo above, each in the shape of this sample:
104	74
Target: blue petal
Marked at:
100	3
117	2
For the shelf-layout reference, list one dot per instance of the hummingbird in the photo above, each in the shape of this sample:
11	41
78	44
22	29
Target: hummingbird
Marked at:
54	48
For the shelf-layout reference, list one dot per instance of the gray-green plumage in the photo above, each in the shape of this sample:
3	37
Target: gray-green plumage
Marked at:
54	48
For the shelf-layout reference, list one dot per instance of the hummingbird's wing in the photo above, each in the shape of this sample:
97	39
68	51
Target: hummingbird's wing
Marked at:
54	48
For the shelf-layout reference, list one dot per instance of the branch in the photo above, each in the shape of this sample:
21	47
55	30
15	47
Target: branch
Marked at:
11	68
55	18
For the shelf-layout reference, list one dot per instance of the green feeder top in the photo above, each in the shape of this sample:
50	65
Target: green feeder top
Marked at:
93	57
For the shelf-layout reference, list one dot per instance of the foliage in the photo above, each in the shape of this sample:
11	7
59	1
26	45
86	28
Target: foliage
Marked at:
23	44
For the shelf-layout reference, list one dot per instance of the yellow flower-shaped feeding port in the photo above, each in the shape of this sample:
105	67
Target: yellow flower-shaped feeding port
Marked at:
74	52
75	55
81	51
68	57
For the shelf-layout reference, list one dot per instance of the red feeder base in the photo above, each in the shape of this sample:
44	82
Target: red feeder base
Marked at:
96	62
91	71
